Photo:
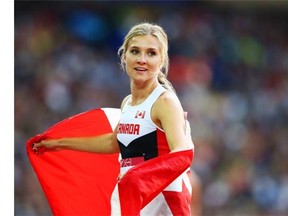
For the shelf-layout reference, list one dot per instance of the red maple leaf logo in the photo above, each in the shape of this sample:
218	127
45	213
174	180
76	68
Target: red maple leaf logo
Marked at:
140	114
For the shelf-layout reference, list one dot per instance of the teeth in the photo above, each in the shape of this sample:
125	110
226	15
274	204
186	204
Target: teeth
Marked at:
141	69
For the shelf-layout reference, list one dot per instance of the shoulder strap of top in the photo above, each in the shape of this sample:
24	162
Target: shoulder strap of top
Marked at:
151	98
155	94
126	102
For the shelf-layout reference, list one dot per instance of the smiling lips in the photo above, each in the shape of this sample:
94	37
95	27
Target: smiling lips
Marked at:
140	69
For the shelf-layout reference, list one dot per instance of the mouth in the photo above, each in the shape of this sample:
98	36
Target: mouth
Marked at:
140	69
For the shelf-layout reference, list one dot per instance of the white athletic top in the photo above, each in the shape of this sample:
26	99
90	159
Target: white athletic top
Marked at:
138	136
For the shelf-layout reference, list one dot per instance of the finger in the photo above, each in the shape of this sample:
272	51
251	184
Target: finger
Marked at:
35	150
38	151
37	145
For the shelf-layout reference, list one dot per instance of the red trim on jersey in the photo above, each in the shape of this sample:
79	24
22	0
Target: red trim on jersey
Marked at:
162	144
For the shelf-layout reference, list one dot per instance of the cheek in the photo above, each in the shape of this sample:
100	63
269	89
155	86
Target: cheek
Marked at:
158	63
127	59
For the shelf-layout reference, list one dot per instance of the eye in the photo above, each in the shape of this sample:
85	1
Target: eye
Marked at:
134	51
152	53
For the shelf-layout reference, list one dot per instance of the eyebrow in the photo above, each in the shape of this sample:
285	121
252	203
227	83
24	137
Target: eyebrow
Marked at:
150	48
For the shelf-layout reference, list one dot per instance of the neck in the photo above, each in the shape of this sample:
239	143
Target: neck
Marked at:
141	91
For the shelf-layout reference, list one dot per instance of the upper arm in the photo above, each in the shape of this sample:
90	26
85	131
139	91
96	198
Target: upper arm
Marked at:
169	114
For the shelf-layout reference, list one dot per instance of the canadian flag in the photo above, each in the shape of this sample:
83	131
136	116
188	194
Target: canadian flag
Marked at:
140	114
81	183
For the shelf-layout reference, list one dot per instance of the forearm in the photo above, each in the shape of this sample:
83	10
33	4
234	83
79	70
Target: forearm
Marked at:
178	148
98	144
183	144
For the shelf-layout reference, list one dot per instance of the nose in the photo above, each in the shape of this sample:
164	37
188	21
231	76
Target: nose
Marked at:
141	59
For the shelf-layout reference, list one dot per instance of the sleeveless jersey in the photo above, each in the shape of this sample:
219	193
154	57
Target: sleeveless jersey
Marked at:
138	135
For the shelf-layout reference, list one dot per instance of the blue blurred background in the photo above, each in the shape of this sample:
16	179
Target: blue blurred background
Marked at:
229	66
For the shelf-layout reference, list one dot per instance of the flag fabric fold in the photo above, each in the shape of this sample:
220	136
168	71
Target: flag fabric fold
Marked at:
74	182
81	183
145	181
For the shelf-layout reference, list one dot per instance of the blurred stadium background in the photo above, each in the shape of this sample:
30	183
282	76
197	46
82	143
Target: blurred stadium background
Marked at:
229	65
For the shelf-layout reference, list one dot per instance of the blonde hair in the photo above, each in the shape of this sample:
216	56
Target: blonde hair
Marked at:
157	31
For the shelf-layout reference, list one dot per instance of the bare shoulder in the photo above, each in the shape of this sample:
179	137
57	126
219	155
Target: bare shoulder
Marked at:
168	100
166	105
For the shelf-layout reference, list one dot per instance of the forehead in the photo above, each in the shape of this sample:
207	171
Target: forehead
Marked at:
145	41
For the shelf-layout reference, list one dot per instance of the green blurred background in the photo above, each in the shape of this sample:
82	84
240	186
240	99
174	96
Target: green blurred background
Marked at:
229	66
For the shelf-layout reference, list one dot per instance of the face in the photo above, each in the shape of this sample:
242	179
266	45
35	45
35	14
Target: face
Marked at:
143	58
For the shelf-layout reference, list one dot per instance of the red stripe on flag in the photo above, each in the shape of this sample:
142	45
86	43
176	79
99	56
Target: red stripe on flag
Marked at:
179	203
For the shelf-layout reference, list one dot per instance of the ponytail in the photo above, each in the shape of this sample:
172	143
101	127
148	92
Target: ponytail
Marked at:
165	82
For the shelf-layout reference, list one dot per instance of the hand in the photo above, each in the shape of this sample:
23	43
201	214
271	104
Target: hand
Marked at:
45	145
